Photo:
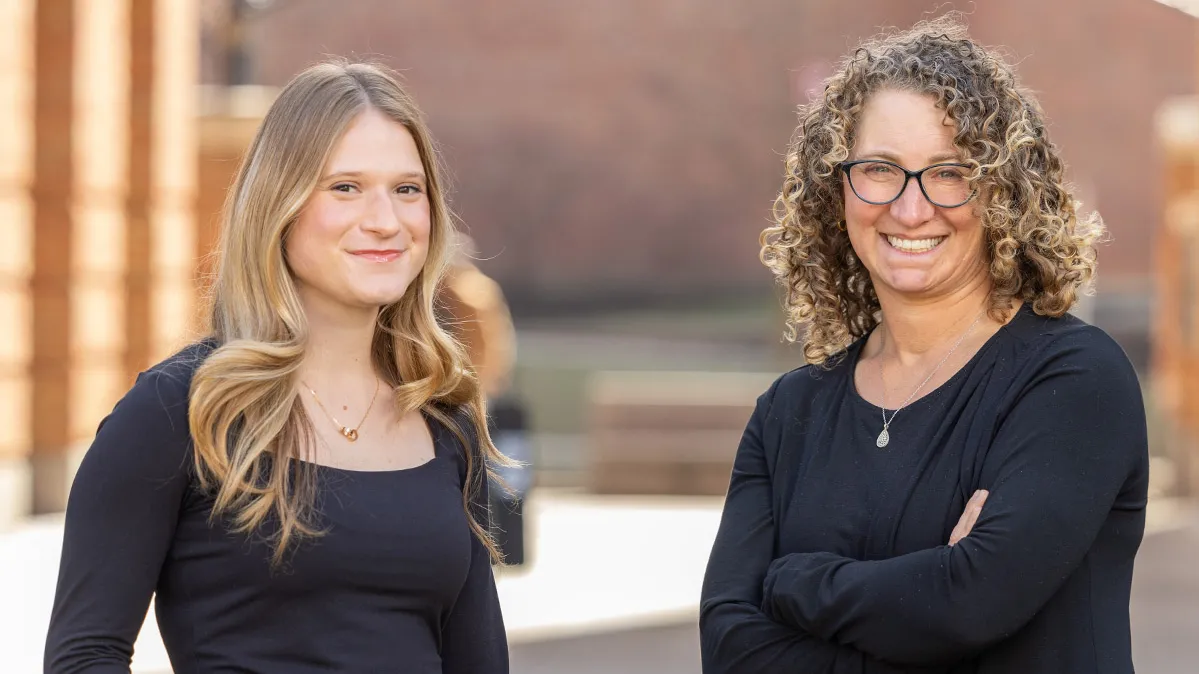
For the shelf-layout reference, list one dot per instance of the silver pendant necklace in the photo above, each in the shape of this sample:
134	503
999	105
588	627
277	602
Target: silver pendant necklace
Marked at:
884	438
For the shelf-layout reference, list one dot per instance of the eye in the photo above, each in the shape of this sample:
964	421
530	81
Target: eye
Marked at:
951	173
344	188
879	168
408	189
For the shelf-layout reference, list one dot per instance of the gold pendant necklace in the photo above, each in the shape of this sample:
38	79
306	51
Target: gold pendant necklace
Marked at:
350	434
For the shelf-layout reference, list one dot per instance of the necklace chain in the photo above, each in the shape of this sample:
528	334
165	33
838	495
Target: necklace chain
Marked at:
884	438
350	434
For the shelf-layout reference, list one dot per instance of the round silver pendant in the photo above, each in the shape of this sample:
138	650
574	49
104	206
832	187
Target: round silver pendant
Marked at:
883	439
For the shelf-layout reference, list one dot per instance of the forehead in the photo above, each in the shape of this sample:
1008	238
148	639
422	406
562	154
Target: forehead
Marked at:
373	142
906	124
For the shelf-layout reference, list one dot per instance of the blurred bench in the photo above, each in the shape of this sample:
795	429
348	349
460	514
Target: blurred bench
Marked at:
667	432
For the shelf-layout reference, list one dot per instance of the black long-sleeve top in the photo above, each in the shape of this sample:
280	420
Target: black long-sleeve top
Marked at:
398	583
832	555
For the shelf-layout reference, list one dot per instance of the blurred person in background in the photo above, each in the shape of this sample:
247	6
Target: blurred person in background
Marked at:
306	489
477	315
957	480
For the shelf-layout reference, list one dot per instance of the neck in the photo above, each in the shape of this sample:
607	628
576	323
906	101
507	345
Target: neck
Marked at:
337	357
914	328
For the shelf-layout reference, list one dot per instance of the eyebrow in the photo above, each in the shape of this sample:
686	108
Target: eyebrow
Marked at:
940	158
408	175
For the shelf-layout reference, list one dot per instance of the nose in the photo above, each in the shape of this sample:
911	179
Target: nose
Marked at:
382	215
912	208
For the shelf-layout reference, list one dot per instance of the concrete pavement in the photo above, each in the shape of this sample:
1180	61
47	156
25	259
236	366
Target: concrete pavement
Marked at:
1165	596
614	584
598	564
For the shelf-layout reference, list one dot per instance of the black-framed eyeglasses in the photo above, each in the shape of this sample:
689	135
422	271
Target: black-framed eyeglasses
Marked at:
881	182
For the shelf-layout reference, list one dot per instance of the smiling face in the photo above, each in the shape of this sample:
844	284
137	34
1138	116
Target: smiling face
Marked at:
911	247
363	235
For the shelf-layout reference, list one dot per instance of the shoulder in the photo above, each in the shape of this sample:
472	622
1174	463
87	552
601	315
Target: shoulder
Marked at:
173	375
458	437
158	399
807	384
1073	394
147	433
167	384
795	400
1067	345
1063	372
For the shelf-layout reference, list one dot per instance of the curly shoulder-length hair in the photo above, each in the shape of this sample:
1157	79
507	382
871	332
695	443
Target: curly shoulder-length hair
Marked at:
1039	249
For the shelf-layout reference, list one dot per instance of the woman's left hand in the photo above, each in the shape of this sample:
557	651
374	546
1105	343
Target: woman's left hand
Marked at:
969	516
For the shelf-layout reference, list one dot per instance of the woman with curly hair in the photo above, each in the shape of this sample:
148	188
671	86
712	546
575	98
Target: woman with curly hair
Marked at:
305	490
956	481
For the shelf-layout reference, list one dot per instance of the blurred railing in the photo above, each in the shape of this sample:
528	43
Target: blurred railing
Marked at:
667	432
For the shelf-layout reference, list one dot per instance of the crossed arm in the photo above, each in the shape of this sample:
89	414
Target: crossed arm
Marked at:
736	636
1054	472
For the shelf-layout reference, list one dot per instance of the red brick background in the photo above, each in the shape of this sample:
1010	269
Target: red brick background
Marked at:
610	150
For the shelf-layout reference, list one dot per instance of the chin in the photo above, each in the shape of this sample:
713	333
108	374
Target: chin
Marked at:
908	282
379	301
383	297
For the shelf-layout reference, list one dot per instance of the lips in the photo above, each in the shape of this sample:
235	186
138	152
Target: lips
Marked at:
382	255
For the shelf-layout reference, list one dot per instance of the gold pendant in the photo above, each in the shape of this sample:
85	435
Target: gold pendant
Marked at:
350	433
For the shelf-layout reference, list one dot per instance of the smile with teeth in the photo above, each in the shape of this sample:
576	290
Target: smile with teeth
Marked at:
915	245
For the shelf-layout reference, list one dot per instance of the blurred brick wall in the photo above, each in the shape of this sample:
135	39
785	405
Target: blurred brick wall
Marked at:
17	91
96	189
1102	68
611	150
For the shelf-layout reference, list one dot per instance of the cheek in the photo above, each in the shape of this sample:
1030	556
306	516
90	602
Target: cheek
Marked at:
421	223
310	240
970	232
857	213
299	252
968	225
859	223
419	227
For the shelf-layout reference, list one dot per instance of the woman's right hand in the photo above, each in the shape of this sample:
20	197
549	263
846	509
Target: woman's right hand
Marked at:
969	516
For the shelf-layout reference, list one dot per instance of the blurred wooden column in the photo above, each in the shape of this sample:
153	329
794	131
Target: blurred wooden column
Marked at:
16	253
160	247
113	190
139	288
81	140
176	144
54	191
1176	329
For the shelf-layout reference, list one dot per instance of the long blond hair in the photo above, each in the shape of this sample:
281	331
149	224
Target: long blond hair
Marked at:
247	422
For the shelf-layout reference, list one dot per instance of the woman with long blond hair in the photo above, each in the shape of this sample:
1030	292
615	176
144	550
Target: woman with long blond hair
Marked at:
957	479
305	490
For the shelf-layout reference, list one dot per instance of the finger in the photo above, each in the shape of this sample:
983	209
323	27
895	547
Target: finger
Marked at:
959	529
955	535
969	517
976	509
